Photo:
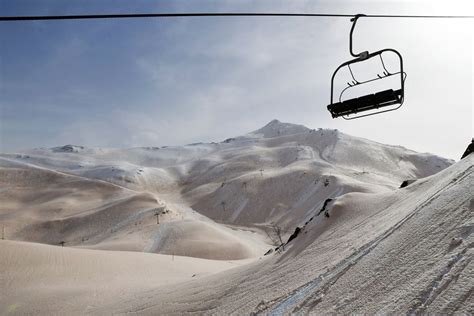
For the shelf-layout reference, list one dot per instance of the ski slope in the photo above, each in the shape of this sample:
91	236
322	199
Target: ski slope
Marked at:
381	249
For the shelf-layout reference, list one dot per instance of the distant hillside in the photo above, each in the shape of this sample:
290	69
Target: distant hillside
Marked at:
279	173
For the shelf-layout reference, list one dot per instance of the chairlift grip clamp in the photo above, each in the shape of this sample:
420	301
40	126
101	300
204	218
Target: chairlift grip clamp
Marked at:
354	19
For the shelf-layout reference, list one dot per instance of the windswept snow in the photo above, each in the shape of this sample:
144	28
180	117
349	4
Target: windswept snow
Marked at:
406	251
210	207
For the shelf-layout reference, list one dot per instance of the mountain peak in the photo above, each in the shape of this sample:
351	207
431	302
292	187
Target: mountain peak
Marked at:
276	128
274	121
68	149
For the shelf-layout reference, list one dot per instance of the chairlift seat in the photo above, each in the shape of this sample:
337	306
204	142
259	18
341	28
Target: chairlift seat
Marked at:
365	103
388	97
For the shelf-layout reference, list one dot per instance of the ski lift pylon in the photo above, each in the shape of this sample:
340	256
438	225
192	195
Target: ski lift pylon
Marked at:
389	100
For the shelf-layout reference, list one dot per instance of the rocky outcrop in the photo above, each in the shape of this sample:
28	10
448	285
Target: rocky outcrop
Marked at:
469	149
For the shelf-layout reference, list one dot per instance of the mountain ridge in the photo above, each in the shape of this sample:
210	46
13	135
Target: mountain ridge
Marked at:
227	181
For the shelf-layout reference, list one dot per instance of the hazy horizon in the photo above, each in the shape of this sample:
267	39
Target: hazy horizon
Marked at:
155	82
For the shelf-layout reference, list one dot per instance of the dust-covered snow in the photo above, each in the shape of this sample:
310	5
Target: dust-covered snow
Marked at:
160	230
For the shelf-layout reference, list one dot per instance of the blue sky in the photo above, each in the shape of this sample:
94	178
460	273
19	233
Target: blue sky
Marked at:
154	82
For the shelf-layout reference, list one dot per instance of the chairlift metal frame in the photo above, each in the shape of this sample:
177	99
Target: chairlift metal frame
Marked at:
372	101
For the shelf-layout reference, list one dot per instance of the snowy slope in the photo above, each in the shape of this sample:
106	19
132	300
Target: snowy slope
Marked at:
283	170
41	279
381	249
47	206
407	251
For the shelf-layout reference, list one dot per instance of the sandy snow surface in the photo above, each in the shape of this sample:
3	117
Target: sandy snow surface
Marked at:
171	230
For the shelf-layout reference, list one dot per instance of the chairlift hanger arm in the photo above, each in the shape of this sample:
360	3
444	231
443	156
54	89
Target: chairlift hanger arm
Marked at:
362	55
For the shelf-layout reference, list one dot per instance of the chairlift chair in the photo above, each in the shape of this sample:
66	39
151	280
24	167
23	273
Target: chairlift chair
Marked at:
378	102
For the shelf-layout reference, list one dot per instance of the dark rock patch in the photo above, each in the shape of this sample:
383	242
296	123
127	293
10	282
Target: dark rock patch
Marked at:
469	149
294	235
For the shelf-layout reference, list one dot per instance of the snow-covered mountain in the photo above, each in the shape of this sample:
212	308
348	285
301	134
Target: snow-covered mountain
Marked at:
283	170
220	202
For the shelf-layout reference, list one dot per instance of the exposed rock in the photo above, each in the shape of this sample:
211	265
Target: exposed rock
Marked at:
67	149
294	235
407	183
268	252
469	149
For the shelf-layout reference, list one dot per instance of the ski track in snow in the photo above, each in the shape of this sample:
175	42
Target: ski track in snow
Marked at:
320	284
158	238
306	195
239	209
271	212
441	281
